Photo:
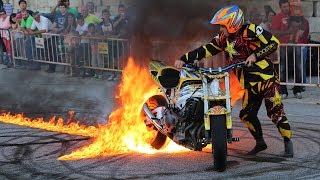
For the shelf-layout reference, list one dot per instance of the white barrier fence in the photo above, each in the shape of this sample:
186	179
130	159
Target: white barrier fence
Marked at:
299	64
107	54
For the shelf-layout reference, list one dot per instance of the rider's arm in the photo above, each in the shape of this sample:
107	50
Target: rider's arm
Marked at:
268	42
204	51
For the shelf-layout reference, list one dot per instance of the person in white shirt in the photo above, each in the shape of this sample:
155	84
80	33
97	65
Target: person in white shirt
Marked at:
40	24
82	27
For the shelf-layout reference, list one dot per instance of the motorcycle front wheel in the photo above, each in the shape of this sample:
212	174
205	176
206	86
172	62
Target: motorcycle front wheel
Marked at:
219	141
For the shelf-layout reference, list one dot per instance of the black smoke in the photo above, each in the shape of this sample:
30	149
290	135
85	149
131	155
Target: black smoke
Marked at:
172	21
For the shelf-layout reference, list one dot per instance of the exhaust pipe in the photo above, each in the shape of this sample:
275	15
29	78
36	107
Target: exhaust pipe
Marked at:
151	117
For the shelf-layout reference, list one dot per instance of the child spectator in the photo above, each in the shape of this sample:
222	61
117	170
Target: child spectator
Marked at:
106	26
14	22
96	60
72	42
82	27
70	24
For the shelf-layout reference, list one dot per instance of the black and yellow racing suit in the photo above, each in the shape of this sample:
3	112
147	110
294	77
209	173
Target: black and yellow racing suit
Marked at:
259	79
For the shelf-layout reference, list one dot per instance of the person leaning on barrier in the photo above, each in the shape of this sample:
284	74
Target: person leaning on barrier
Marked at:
252	44
40	24
26	22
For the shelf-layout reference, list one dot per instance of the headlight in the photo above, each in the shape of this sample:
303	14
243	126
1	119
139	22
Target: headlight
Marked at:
215	87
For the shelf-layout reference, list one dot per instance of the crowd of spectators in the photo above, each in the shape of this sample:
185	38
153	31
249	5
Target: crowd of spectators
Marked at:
291	27
69	23
64	20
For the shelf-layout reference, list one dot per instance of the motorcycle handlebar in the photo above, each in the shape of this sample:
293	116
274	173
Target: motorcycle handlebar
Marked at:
214	70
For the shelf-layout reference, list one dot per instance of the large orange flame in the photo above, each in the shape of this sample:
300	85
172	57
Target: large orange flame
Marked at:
125	131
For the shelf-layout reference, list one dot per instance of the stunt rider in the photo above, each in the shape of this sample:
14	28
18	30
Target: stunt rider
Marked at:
253	44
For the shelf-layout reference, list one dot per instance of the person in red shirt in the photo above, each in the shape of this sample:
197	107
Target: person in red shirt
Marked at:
287	28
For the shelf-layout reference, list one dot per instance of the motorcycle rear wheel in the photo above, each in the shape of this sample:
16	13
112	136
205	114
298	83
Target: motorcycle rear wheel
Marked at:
219	141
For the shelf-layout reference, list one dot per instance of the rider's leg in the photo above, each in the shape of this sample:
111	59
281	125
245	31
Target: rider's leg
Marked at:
276	112
249	115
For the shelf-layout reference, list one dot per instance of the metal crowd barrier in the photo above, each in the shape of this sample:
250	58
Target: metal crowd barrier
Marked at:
299	64
106	54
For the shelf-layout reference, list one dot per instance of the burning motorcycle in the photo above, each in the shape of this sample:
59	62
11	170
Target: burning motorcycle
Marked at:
193	108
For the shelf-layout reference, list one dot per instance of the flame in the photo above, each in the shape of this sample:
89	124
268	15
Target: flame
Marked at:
73	128
236	90
126	130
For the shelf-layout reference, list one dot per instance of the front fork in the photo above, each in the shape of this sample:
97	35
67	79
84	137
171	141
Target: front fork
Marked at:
218	111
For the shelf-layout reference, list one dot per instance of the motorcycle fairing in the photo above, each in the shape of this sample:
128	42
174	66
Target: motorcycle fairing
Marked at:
167	76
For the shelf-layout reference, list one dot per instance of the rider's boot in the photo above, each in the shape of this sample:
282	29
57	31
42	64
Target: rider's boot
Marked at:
260	146
288	148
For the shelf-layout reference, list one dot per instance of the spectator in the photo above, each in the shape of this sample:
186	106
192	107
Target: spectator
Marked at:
27	43
290	34
255	17
14	22
8	7
26	22
106	26
23	9
269	14
90	18
60	19
82	27
107	8
40	24
70	24
71	10
84	55
17	38
96	60
1	4
72	42
279	27
91	8
5	38
4	20
121	23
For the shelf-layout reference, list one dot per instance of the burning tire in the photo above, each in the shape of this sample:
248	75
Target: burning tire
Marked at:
160	139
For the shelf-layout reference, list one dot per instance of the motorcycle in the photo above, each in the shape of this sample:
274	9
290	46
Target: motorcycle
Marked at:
193	108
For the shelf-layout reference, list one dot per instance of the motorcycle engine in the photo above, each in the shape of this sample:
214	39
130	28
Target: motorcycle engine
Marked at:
185	126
